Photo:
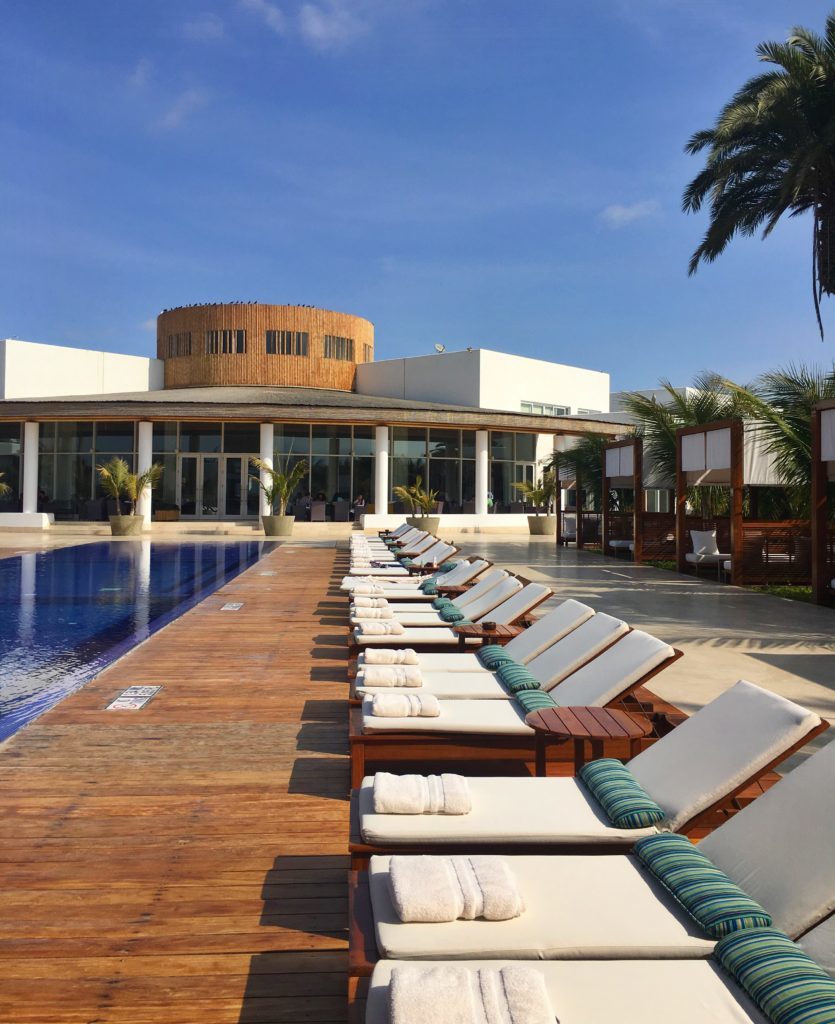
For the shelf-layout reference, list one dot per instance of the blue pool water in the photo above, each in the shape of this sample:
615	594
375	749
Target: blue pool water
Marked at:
65	614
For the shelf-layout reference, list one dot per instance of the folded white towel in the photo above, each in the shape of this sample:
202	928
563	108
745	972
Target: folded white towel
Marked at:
443	889
360	615
421	794
389	675
405	705
361	585
390	656
452	994
361	601
370	628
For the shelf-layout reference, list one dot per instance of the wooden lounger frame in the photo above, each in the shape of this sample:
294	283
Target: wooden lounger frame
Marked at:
392	747
360	851
354	648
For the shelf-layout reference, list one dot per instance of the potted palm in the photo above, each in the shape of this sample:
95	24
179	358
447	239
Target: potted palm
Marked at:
421	504
541	496
278	484
118	482
5	489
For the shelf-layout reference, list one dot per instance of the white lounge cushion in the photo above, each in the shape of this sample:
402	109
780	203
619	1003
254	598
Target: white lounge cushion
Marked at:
704	542
626	991
504	810
608	675
621	545
415	636
481	685
779	849
501	717
516	606
567	655
577	908
706	559
712	753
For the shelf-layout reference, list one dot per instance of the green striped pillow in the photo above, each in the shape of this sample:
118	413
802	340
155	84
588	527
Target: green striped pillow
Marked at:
786	984
516	677
446	567
430	584
617	791
534	700
442	602
705	892
494	655
406	562
452	613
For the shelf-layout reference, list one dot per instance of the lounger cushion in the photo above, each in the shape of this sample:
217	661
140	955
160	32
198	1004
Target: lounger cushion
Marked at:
626	804
516	678
625	991
479	717
493	656
577	908
416	637
706	892
534	700
783	981
553	811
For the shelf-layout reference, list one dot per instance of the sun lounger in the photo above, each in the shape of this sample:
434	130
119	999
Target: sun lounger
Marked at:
474	608
487	581
466	572
472	730
550	666
438	553
690	773
778	851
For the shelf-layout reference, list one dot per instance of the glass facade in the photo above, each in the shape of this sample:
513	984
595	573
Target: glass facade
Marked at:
340	462
68	453
512	460
11	450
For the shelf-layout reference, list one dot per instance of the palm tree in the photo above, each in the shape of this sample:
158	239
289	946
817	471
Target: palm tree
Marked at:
418	499
4	487
772	152
280	482
711	398
585	460
781	401
117	481
542	494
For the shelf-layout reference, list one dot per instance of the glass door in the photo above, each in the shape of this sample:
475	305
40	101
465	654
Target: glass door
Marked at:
210	486
199	486
189	466
233	487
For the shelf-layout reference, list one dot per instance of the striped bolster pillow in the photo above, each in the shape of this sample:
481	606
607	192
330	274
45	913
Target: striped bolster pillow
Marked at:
783	981
446	567
705	892
493	655
620	796
515	678
534	700
429	586
406	562
442	602
453	614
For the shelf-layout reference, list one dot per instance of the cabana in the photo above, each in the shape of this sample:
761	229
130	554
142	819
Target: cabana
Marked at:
575	523
823	472
732	454
641	533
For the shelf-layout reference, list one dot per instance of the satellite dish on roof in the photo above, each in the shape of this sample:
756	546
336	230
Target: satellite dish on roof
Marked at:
440	348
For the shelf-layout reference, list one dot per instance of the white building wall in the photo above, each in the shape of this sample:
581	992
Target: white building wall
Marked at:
32	370
449	378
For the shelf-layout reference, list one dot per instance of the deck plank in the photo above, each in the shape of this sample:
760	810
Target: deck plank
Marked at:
188	861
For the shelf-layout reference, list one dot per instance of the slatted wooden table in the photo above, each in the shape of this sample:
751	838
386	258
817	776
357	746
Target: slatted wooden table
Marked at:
188	862
500	635
581	724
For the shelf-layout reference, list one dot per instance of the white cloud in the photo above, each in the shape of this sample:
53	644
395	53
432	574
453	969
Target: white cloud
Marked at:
272	16
330	24
183	107
204	28
142	74
618	216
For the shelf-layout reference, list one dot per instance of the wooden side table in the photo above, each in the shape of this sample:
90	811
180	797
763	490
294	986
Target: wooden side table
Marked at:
451	590
501	635
580	724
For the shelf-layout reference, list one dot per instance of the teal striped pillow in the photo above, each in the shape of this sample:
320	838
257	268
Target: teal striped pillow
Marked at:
617	791
534	700
452	613
786	984
705	892
430	584
516	677
446	567
493	655
442	602
406	562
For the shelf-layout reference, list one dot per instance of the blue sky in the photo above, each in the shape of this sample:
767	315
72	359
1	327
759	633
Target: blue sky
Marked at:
496	173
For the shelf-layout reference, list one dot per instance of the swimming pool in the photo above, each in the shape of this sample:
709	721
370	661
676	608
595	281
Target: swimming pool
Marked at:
66	613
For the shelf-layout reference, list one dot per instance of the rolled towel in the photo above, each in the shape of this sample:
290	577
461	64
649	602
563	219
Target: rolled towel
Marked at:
421	794
390	656
369	627
453	994
361	585
404	705
390	675
359	615
361	601
441	889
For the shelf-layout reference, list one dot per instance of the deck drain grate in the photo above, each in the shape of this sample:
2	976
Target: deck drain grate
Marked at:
232	606
134	698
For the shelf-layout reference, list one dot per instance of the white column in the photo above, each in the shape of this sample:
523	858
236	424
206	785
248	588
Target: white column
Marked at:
31	432
267	442
381	470
482	439
144	460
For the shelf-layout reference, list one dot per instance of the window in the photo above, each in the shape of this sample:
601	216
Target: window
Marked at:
225	342
541	409
339	348
367	353
179	344
586	412
287	343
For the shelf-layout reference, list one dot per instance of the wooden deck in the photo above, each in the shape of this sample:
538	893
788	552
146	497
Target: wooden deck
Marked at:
186	863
